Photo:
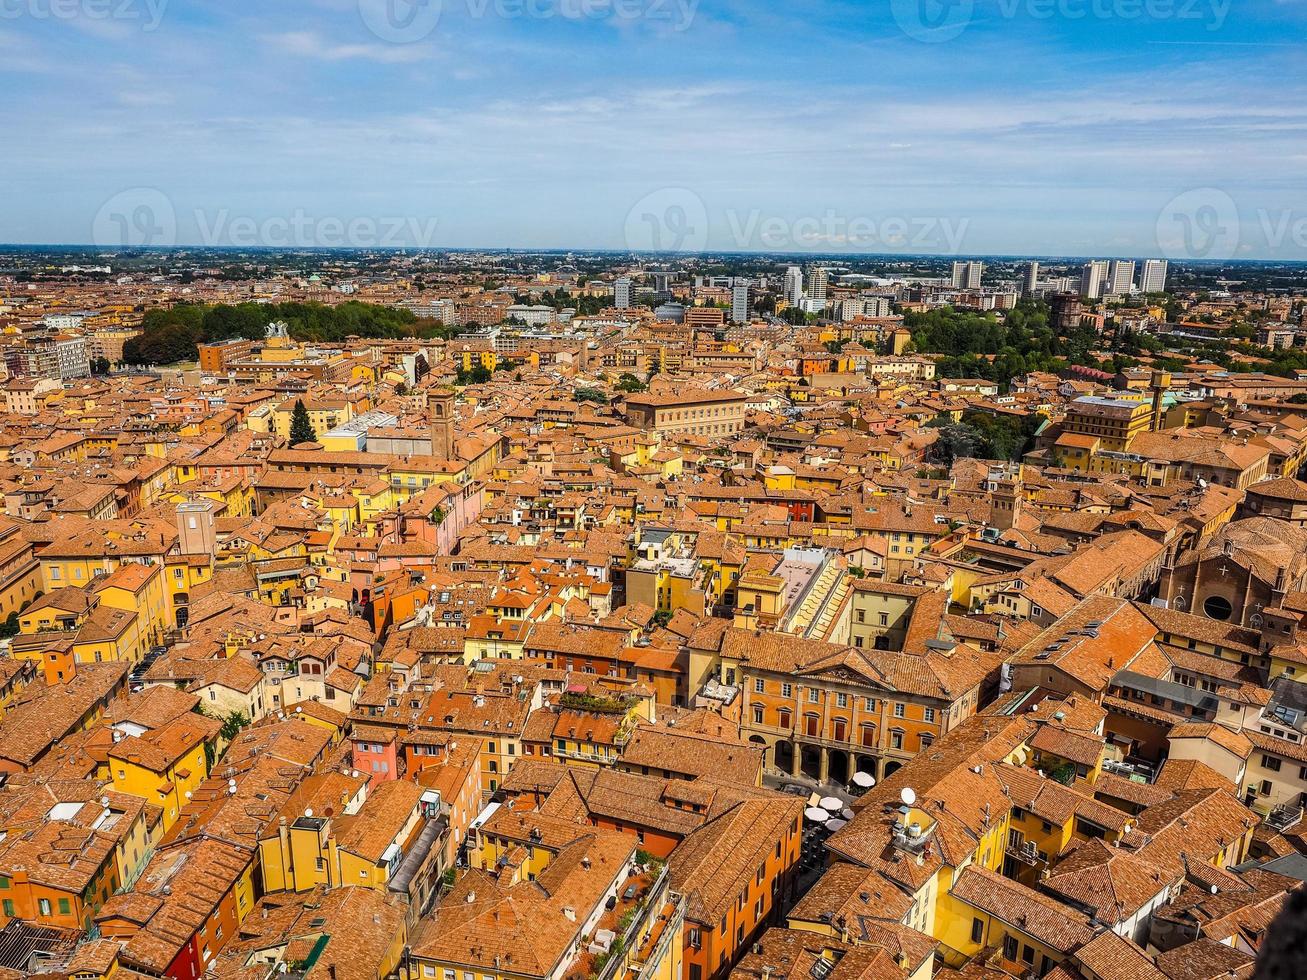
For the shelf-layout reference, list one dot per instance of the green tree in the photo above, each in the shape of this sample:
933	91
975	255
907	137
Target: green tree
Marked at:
630	383
301	426
232	725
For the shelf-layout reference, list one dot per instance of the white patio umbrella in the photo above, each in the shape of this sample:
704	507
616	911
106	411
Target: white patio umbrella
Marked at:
816	814
836	824
864	779
833	803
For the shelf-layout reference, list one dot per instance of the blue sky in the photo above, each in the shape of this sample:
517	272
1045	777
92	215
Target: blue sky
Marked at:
1084	127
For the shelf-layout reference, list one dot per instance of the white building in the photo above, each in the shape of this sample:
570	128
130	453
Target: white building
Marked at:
1093	279
1152	276
1121	277
622	293
966	275
1031	282
740	304
793	285
818	279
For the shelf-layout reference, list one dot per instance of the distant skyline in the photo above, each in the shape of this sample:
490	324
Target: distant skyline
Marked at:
1068	128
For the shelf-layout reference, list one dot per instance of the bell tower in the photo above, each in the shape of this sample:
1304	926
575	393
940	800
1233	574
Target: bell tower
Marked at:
441	405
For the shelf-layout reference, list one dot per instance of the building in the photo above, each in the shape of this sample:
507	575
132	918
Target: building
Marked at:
740	304
793	285
1152	276
818	281
966	275
1121	277
622	293
1030	282
688	412
1094	278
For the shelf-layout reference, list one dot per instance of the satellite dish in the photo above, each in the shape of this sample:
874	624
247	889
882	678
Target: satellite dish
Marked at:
308	812
908	796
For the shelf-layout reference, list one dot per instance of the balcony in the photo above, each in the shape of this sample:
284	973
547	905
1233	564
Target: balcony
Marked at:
1284	816
1026	852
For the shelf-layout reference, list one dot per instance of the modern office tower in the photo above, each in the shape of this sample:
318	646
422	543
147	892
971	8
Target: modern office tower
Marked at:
818	279
740	304
622	293
1093	279
1121	277
1031	281
662	282
966	275
1152	276
793	285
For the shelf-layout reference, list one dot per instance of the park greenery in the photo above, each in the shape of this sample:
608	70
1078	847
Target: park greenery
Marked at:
172	335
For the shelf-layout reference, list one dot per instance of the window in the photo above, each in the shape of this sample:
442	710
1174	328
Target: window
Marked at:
1010	949
884	619
869	704
1271	763
44	906
899	711
930	714
64	907
841	700
9	907
1217	607
896	739
787	690
759	686
812	695
977	930
757	714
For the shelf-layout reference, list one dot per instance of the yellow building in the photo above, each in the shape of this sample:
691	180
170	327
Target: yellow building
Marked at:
164	766
344	844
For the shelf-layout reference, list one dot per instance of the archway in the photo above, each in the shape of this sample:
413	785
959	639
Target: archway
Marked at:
783	756
839	766
867	763
891	768
810	761
759	740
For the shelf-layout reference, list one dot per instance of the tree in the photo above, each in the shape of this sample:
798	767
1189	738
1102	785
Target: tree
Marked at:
631	384
301	426
99	365
10	626
232	724
479	375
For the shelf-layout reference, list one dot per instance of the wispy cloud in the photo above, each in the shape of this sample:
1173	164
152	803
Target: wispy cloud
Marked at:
310	44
